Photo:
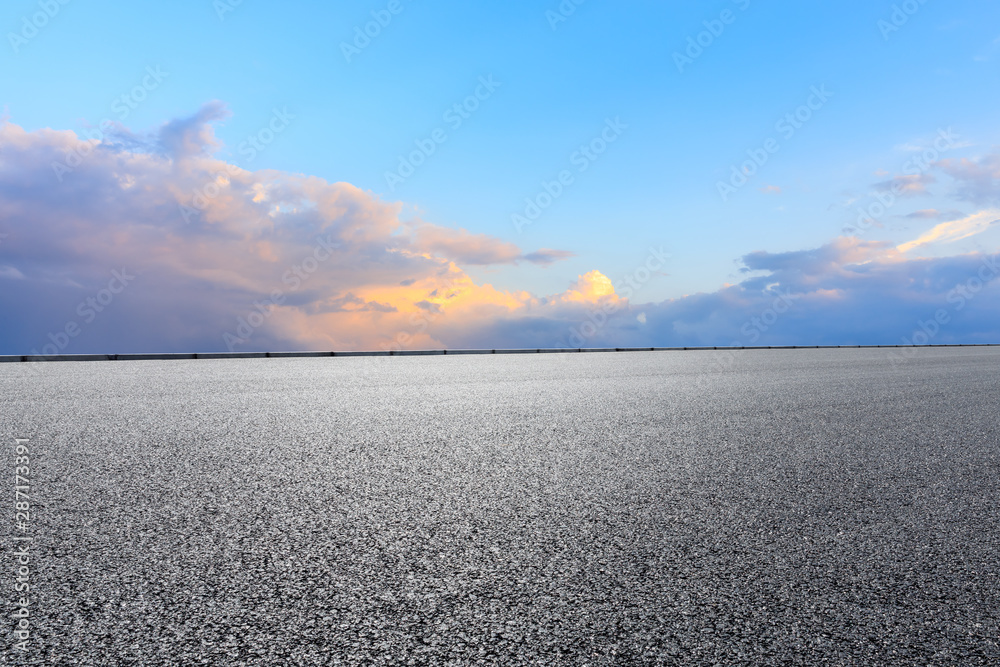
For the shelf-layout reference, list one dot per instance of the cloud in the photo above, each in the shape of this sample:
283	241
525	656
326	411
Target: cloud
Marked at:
213	245
546	256
213	254
193	136
824	260
590	288
935	214
977	181
477	249
349	303
845	292
463	247
955	230
908	185
771	189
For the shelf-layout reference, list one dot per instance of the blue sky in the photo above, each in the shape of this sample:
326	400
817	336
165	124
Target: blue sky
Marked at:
893	76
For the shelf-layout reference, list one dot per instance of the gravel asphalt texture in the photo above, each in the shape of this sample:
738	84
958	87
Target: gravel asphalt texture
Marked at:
758	507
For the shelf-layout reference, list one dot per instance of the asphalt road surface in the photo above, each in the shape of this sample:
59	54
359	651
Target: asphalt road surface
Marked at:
764	507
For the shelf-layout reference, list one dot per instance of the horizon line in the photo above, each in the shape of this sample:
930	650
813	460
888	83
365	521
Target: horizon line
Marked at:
167	356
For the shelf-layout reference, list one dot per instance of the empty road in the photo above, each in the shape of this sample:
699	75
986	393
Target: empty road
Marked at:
757	507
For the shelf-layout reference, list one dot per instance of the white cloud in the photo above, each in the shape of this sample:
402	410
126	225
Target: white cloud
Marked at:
955	230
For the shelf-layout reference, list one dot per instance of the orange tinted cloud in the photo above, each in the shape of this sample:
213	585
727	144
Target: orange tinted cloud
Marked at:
955	230
591	287
326	263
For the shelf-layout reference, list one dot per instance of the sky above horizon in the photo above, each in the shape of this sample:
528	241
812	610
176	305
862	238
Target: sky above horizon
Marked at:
211	175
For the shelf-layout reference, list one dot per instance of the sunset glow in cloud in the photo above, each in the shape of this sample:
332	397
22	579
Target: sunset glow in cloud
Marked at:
325	264
955	230
218	257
